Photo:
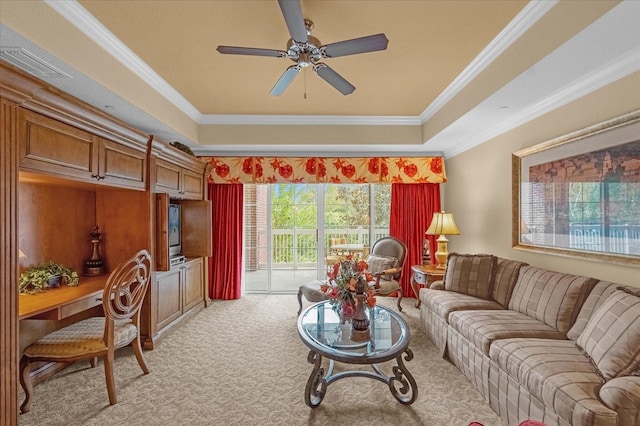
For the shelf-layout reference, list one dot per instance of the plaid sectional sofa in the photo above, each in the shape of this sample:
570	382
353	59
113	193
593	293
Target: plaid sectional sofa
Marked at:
558	348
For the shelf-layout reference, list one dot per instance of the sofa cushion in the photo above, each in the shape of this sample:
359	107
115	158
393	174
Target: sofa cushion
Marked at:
443	302
471	274
611	338
551	297
596	298
557	373
507	272
482	328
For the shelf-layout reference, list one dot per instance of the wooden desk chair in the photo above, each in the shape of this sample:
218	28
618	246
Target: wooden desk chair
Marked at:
98	336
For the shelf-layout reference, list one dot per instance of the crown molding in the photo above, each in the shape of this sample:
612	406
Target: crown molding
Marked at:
314	120
77	15
528	16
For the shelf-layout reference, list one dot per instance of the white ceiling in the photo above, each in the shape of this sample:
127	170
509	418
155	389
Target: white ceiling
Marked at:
503	70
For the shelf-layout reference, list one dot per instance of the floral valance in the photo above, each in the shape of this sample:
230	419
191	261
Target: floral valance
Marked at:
326	170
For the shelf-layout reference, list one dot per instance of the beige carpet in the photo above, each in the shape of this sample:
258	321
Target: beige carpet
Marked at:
242	363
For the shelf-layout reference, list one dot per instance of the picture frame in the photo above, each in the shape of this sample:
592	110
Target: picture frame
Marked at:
578	195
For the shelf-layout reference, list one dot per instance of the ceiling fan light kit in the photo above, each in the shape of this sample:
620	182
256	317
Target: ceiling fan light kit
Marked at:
306	50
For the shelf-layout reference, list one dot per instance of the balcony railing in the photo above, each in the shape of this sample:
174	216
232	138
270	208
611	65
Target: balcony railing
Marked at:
622	239
297	248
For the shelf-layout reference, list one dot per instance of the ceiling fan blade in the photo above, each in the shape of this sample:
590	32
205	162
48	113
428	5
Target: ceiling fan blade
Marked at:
357	45
285	80
293	17
233	50
334	79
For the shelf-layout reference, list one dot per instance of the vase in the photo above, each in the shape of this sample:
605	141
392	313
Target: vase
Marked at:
360	322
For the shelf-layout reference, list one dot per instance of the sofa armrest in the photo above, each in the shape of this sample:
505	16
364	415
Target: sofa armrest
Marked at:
437	285
622	395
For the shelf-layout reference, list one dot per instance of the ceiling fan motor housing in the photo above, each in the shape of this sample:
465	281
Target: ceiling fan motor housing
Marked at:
304	54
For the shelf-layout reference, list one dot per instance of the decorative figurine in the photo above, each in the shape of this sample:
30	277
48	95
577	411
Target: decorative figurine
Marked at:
95	265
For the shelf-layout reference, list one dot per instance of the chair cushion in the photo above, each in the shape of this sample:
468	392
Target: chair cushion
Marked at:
386	286
483	328
596	298
612	336
471	274
80	338
554	298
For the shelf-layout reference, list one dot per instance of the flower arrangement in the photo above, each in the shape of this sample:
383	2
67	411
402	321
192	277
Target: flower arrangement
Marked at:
48	275
342	285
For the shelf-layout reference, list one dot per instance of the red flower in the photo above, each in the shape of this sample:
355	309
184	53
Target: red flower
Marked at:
410	169
258	169
384	169
436	165
373	166
348	170
347	310
362	266
247	166
222	170
285	171
310	166
322	170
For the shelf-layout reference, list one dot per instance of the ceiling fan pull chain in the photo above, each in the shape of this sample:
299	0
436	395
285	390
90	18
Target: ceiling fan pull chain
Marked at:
305	83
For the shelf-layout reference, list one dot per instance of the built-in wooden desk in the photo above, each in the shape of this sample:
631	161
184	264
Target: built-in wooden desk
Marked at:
62	302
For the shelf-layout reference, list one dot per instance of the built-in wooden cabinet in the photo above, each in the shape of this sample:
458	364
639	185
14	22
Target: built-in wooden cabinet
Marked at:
52	147
65	167
178	181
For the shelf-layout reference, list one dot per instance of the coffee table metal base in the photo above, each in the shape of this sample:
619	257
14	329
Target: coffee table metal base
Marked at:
402	384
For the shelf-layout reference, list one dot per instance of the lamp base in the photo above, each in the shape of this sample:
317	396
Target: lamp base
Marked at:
442	253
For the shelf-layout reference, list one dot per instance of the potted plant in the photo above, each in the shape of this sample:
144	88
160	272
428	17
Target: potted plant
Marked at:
47	275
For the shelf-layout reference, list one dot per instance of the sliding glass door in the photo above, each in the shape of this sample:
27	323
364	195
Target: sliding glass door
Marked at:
289	227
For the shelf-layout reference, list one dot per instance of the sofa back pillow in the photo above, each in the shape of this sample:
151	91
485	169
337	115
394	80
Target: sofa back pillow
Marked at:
471	274
507	272
596	298
551	297
611	338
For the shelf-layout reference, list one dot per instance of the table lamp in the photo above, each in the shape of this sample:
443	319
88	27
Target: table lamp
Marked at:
442	224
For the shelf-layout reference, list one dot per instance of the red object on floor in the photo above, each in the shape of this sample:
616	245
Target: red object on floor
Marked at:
475	424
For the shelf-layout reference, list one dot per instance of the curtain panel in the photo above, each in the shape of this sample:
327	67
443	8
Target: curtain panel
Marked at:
326	169
225	266
412	208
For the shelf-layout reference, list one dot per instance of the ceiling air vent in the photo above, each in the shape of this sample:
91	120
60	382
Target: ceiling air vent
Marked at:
30	63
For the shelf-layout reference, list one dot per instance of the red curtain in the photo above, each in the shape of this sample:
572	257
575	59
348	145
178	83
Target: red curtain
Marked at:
225	266
412	207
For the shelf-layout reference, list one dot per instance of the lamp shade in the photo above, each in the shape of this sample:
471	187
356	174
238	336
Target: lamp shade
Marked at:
443	224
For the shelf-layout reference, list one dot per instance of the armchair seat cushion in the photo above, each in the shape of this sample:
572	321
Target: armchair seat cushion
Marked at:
484	328
80	338
386	286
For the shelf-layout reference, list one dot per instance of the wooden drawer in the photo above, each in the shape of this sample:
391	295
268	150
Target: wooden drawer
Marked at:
419	277
80	305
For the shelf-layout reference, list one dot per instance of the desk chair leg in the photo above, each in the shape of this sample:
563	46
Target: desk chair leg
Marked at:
27	386
94	362
137	350
299	301
399	299
108	373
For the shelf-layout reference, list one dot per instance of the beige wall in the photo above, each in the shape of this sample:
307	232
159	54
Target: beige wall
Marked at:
478	190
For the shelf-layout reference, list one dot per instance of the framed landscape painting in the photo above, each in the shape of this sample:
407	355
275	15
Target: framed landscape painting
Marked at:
579	195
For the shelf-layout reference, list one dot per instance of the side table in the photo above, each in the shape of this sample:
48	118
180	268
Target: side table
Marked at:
424	275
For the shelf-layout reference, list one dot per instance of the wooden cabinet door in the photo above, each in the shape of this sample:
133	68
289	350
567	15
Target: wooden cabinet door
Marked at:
192	184
122	166
193	283
167	177
49	146
169	302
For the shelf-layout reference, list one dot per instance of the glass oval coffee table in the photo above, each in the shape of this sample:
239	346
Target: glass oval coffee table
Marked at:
320	329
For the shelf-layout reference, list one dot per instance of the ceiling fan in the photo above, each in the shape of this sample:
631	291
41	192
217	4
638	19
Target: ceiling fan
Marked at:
306	50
